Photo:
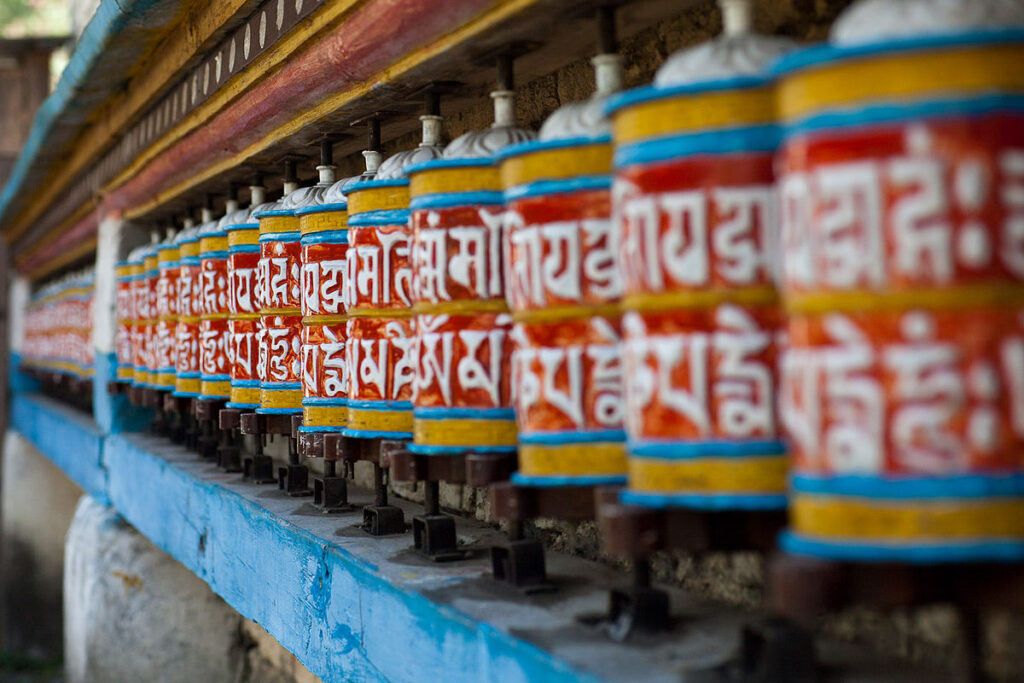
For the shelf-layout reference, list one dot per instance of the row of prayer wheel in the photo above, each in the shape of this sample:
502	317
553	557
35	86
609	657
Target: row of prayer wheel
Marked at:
776	277
58	327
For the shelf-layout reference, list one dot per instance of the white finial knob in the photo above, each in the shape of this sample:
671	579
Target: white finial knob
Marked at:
326	174
431	130
257	195
504	108
373	159
737	16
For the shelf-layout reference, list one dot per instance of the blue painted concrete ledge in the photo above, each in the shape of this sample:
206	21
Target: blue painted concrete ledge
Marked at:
356	608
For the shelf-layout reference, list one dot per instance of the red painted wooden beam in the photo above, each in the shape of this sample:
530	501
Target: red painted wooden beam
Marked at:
373	37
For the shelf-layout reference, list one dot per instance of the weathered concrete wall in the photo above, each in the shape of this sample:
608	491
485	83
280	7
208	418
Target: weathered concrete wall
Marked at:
132	611
37	502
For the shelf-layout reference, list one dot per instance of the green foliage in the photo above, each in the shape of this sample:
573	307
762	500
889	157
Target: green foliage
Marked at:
14	10
21	18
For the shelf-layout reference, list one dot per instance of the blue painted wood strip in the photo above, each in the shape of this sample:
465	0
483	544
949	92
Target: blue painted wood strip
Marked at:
66	436
113	412
332	603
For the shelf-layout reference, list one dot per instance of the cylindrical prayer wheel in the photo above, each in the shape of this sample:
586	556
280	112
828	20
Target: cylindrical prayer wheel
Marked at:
243	305
564	289
902	210
462	392
136	276
151	272
144	292
214	338
381	342
693	199
324	230
124	308
186	356
58	327
278	288
169	267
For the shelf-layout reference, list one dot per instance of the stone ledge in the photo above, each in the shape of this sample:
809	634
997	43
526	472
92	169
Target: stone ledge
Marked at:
353	607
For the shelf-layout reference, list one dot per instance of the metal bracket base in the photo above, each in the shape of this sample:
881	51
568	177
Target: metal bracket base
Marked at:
259	469
330	495
637	609
206	446
521	564
294	480
229	458
383	520
434	536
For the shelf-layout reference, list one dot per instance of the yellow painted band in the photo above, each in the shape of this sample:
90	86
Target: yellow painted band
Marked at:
921	519
271	224
214	316
207	244
572	459
380	312
281	398
215	388
380	420
123	271
238	238
125	372
324	319
694	112
385	198
167	255
708	298
269	312
151	263
562	313
187	385
459	179
755	475
969	296
324	416
323	221
243	316
139	376
552	164
188	249
136	269
250	395
466	306
903	77
188	319
465	432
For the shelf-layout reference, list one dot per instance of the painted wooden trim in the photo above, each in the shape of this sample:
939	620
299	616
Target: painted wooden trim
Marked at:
376	42
199	21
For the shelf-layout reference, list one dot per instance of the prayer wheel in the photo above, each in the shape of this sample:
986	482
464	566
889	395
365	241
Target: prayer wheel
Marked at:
902	211
462	393
186	362
144	292
169	267
124	309
58	327
324	230
381	342
214	336
278	290
243	306
693	198
564	291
